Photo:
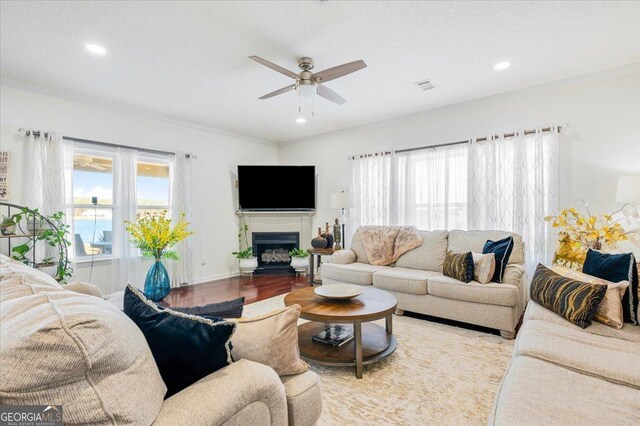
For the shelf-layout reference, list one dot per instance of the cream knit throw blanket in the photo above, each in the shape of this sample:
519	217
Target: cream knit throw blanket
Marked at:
385	244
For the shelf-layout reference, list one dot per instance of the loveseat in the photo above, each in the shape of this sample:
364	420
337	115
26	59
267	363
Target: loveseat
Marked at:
59	346
561	374
417	281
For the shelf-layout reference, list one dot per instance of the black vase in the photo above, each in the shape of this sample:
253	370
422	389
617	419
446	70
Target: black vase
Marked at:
319	242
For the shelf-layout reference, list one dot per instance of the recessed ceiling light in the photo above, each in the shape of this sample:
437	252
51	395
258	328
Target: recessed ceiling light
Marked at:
94	48
301	120
502	65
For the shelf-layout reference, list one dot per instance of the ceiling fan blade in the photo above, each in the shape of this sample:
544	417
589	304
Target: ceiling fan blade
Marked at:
339	71
278	92
275	67
329	94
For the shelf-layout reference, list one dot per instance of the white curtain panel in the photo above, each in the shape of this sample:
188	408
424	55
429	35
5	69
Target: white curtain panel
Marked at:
431	188
513	185
44	172
48	167
181	270
371	186
126	264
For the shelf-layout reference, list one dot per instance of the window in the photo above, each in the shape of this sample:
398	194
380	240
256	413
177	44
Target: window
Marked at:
426	188
93	176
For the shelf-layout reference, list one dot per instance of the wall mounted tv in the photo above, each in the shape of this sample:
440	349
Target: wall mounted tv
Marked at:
277	187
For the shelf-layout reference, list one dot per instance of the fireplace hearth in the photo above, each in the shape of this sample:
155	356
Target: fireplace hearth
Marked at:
272	251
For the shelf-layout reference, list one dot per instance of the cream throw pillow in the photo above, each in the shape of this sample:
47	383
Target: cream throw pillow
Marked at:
610	310
484	265
270	339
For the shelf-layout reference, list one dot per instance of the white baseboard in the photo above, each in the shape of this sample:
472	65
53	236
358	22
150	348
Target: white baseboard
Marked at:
200	280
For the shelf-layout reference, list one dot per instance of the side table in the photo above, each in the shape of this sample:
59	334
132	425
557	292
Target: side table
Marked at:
316	254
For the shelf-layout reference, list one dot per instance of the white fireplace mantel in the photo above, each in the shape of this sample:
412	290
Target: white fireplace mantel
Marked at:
281	221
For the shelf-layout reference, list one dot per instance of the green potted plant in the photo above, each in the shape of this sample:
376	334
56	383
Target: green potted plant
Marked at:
247	262
299	260
8	225
53	233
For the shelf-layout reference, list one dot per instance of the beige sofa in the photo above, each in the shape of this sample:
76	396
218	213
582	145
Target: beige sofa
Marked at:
416	279
561	374
59	346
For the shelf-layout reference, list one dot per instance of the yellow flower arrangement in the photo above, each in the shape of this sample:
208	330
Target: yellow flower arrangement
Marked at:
153	235
579	232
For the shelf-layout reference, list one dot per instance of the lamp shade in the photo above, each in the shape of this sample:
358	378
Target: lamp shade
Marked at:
341	200
628	189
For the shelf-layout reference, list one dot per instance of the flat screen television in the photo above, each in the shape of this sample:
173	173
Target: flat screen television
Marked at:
277	187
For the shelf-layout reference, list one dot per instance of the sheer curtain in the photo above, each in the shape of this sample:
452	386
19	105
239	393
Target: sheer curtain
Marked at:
47	170
372	187
126	263
181	270
431	188
513	185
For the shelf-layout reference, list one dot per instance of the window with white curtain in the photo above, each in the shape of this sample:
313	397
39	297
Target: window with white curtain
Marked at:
93	176
425	188
432	188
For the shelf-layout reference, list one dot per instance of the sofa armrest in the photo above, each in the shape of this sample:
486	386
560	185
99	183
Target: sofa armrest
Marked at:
216	398
343	257
84	288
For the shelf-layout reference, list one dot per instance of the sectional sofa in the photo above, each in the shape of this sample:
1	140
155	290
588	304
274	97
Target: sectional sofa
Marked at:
417	281
561	374
60	346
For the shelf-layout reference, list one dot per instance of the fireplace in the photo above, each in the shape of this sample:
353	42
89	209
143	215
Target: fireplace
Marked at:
272	251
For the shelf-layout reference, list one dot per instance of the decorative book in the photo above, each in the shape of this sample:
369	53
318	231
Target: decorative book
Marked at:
336	336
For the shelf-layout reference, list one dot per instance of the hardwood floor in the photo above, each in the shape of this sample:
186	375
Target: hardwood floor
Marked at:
253	289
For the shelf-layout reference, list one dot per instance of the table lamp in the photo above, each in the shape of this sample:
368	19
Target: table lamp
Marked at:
342	201
628	189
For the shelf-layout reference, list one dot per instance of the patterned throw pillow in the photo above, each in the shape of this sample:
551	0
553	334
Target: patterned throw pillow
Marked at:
610	310
615	268
459	266
573	300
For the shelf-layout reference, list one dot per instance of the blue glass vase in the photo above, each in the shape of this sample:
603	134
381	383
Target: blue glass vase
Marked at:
157	283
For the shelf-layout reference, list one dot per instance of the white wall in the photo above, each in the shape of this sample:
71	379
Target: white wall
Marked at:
601	142
214	197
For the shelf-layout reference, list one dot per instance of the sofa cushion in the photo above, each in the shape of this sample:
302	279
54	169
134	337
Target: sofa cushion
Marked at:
462	241
403	280
227	309
62	347
536	392
493	293
615	360
304	398
430	255
627	332
502	250
459	266
354	273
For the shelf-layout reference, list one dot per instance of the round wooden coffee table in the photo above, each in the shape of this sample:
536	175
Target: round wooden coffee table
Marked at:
371	342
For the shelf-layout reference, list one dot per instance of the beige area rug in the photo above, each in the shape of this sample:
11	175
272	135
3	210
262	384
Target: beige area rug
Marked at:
438	375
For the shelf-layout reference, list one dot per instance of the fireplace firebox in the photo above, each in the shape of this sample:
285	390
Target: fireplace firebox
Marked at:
272	251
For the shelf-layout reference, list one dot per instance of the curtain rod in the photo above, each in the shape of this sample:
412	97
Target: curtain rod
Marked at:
398	151
111	145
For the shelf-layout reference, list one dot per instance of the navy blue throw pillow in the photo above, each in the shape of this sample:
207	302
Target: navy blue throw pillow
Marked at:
502	250
615	268
229	309
186	348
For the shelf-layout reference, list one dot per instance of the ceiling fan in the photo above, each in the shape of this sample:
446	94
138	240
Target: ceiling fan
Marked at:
308	83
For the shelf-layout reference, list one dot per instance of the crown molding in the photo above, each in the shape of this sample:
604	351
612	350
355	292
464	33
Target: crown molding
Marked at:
121	108
599	75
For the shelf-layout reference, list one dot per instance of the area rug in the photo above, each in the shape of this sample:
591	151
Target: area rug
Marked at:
438	375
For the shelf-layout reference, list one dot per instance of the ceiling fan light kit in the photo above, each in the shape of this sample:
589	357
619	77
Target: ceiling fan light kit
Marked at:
308	83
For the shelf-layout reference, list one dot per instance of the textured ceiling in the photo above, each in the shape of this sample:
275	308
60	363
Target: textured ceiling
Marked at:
188	60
